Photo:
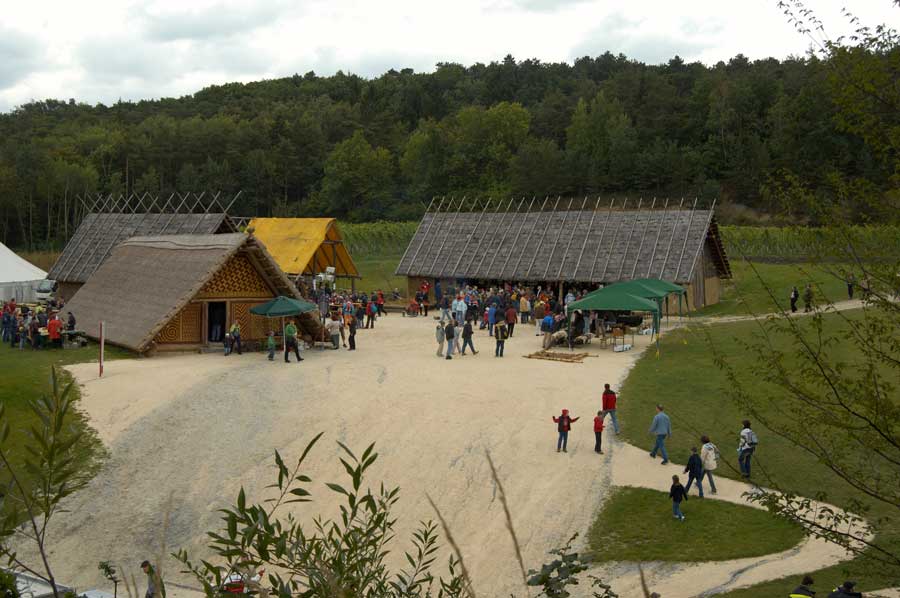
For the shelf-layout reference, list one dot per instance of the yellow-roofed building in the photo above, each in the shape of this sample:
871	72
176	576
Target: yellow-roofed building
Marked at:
305	246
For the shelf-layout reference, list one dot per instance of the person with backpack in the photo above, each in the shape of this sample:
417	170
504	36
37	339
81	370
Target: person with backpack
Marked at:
598	433
694	469
501	333
803	590
709	457
563	425
746	446
450	336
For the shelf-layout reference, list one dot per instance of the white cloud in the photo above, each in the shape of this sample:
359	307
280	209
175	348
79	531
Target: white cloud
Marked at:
103	50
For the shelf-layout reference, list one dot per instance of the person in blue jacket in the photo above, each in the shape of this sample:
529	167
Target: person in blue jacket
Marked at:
661	427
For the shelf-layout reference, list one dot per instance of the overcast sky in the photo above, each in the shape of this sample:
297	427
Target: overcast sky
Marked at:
103	50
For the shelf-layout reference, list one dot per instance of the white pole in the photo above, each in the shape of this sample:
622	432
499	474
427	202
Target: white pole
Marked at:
102	345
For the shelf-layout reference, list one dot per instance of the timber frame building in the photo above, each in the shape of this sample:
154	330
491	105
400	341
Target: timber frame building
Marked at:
581	243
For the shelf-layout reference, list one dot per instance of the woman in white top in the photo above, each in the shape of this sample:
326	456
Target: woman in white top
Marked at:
709	455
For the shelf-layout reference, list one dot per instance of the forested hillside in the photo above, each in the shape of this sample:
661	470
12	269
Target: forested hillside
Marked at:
374	149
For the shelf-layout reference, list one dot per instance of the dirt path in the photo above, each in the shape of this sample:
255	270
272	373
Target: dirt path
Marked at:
836	306
197	427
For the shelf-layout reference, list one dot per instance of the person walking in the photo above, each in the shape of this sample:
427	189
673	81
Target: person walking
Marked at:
608	404
501	333
467	338
155	586
694	469
270	345
439	337
709	458
524	308
445	308
290	342
235	332
846	591
795	295
746	446
563	425
450	336
371	308
351	338
804	590
807	298
598	433
661	427
492	318
511	318
459	309
677	493
851	283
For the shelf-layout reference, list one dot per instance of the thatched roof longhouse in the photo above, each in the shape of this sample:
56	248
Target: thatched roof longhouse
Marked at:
99	233
146	281
584	242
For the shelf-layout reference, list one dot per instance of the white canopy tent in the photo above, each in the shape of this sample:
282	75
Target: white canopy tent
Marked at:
18	277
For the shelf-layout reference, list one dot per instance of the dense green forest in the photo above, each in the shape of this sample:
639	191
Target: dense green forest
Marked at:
363	150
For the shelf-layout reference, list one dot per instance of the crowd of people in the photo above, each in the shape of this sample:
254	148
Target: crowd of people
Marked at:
35	327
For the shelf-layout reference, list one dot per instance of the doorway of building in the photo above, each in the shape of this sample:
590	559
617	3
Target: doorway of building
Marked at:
217	320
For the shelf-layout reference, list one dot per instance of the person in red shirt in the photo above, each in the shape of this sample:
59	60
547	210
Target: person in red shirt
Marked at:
53	328
609	406
564	424
598	432
379	303
511	317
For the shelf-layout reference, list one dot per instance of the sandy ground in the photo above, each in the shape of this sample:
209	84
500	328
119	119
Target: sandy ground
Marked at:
198	427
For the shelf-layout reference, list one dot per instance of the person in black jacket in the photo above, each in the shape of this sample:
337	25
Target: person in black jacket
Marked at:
803	590
677	494
467	338
694	469
845	591
450	335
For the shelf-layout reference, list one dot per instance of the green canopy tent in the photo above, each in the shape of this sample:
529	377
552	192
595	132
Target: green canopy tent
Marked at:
282	307
616	297
649	288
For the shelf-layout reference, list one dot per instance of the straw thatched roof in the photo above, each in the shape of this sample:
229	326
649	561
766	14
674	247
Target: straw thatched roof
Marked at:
595	245
305	245
146	281
99	233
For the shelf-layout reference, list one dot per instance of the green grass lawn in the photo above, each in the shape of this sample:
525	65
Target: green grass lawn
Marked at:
693	389
746	291
26	376
636	524
378	273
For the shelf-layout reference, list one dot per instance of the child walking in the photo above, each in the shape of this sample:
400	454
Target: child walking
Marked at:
564	424
598	432
694	469
677	494
270	345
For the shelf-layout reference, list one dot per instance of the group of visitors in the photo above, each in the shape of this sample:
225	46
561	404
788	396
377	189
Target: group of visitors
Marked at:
564	422
845	590
807	299
34	327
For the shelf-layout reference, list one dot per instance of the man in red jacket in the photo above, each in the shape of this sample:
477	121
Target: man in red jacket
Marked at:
609	406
